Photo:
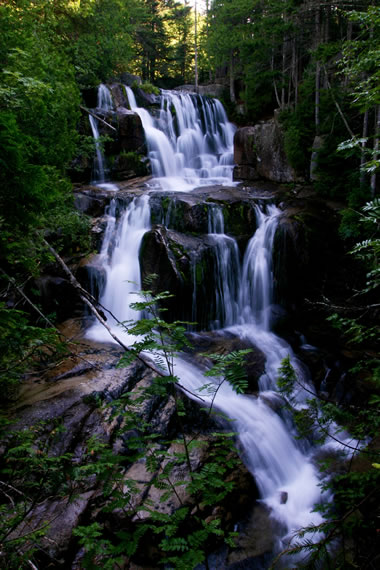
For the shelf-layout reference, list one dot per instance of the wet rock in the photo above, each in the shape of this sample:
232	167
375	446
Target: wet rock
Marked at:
91	274
245	152
58	297
283	497
129	79
145	99
223	343
131	133
255	543
91	200
262	147
213	90
118	95
178	259
303	252
59	518
189	213
184	213
245	172
129	165
98	227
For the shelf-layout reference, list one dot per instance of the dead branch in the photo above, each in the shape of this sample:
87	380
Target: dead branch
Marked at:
89	300
97	117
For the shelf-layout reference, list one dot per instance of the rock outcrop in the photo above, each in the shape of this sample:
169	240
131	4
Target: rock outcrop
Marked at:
213	90
259	153
70	396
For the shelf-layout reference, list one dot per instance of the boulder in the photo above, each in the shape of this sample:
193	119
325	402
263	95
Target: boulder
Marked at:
213	90
91	200
131	132
129	79
57	296
245	172
216	342
303	252
128	165
256	541
118	95
262	147
244	147
189	213
179	260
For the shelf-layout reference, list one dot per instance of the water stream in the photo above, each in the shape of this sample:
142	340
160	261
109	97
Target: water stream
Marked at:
100	174
281	465
190	141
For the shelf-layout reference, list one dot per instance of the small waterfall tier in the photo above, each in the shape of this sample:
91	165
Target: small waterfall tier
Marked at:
119	258
281	465
100	173
190	141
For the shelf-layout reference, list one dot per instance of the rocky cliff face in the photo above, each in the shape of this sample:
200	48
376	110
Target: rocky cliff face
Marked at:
259	153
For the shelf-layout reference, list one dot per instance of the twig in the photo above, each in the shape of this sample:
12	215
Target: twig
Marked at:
97	117
89	301
13	282
337	105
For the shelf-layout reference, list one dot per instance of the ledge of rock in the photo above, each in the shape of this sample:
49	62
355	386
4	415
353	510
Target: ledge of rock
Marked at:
259	152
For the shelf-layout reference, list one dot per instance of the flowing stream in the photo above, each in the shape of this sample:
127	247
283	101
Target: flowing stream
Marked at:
100	170
190	142
281	465
282	468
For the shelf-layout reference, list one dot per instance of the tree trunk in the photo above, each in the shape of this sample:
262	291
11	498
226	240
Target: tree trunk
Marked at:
317	97
317	72
363	147
375	149
283	73
196	47
232	79
274	82
294	71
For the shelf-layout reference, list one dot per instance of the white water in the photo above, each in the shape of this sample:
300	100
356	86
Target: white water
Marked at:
100	171
190	143
120	261
105	102
280	467
285	476
182	154
228	276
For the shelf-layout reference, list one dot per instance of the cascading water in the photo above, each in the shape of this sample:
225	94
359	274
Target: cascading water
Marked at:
283	471
100	171
228	270
120	261
181	153
285	476
105	102
191	142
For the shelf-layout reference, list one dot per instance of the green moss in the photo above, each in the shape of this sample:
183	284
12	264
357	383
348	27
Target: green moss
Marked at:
146	87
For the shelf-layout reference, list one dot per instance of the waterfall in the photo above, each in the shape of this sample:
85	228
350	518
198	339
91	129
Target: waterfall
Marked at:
255	295
120	260
228	272
182	143
190	143
286	478
105	102
280	465
100	171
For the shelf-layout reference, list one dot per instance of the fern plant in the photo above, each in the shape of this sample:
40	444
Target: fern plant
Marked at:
182	537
